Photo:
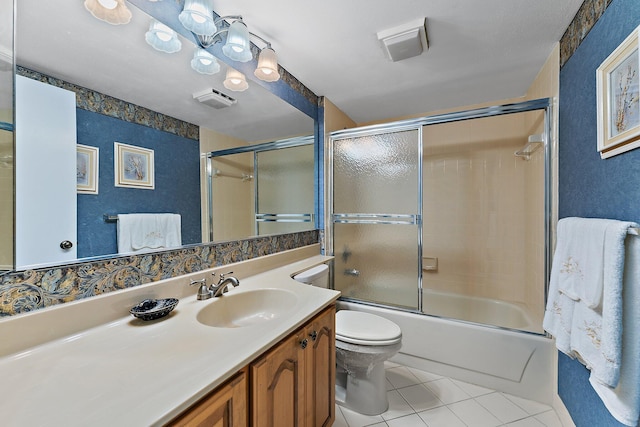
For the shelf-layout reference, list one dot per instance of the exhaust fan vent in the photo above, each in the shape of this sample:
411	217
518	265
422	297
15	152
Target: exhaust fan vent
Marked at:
405	41
214	98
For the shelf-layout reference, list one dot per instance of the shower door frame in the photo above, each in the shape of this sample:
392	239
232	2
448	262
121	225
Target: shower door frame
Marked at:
545	104
255	149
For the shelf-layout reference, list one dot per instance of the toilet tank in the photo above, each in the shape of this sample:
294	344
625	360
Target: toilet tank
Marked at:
316	276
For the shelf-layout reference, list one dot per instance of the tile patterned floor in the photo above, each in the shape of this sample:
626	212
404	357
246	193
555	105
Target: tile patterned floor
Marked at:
422	399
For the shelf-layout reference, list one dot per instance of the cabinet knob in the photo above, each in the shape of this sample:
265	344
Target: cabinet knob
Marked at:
65	244
304	343
314	335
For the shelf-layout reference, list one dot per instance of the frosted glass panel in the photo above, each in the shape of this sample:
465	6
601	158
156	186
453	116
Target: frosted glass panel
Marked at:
376	174
285	186
377	263
285	180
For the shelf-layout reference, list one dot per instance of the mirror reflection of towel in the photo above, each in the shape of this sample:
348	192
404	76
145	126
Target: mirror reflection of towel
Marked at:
138	232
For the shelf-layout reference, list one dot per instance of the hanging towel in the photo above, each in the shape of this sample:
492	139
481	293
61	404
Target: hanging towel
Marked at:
558	317
597	333
623	401
581	256
148	231
584	315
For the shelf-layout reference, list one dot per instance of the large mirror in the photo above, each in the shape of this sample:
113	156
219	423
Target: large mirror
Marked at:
64	41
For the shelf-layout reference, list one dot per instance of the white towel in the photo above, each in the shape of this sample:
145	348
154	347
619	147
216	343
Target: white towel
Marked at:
580	253
137	232
597	333
623	401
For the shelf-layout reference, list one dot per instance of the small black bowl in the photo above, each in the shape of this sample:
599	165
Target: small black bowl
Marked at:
151	309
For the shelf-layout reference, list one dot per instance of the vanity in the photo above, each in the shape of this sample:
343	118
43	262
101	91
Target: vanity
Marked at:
264	351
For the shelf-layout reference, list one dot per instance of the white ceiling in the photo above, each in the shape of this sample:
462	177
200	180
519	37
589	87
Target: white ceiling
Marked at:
479	51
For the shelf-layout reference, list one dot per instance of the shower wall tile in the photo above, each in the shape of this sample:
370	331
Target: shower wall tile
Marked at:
475	231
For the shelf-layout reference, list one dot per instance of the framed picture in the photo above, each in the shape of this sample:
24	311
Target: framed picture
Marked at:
87	169
618	97
133	166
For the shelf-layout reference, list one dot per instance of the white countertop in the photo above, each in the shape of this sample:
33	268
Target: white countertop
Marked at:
133	373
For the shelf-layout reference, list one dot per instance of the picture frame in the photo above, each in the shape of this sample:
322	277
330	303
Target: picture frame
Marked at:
618	98
133	166
87	161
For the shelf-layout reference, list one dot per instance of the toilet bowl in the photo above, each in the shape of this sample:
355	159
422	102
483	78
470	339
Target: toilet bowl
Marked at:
363	342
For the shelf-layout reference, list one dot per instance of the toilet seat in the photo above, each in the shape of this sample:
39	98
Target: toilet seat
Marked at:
356	327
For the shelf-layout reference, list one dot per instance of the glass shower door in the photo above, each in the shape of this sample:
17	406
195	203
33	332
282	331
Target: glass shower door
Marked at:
376	217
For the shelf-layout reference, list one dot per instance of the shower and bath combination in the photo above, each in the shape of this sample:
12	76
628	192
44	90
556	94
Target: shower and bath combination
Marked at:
452	205
447	218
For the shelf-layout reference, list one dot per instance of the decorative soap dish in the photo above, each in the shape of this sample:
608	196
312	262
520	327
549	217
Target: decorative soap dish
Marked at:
151	309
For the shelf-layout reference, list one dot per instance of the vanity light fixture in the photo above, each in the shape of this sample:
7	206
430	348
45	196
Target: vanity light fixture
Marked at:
237	46
162	38
114	12
204	62
197	17
267	65
235	81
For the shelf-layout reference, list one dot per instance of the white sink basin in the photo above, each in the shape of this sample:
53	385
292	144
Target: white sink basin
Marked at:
247	308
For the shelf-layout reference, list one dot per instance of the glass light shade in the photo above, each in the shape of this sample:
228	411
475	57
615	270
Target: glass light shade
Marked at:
204	62
267	66
197	17
235	81
162	38
114	12
237	46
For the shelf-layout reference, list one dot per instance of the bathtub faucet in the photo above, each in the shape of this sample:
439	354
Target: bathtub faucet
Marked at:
351	272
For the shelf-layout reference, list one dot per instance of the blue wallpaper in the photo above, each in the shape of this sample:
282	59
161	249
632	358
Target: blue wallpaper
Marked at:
177	181
589	186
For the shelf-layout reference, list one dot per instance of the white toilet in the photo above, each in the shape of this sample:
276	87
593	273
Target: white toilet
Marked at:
363	342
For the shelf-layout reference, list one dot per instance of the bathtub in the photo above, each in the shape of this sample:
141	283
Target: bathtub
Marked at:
478	310
513	362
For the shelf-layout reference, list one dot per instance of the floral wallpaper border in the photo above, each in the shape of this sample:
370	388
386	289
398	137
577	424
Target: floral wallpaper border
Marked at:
30	290
585	19
97	102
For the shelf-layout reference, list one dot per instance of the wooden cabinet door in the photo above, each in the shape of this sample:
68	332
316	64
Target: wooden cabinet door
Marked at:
224	407
320	363
277	385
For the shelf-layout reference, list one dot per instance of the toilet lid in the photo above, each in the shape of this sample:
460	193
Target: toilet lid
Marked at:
356	327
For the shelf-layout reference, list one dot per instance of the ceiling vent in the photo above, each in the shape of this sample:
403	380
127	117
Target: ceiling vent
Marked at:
405	41
214	98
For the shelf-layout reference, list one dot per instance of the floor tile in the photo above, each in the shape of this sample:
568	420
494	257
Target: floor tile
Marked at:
340	421
472	389
412	420
473	414
398	407
441	417
549	419
501	407
401	377
424	376
531	407
355	419
389	385
389	364
527	422
447	391
420	397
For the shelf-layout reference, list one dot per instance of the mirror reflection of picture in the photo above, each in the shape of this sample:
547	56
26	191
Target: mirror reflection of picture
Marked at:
133	166
87	169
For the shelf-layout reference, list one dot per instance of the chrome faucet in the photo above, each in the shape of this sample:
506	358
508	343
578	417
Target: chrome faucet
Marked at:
223	284
214	291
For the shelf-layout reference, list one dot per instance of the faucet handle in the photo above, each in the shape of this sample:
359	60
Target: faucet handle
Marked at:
203	291
222	276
